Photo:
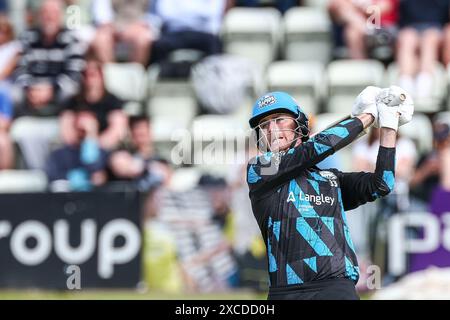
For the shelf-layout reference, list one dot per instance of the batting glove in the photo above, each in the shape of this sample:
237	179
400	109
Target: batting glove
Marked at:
365	102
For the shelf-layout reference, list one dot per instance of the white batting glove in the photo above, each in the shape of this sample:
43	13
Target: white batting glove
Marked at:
365	102
388	117
395	107
406	108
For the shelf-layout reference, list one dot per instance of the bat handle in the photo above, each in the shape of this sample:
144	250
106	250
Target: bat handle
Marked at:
392	98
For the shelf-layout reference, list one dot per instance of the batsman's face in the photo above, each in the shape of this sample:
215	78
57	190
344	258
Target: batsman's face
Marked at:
278	131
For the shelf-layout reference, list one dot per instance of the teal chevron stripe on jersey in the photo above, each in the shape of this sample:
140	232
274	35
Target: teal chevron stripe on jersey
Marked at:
292	277
312	238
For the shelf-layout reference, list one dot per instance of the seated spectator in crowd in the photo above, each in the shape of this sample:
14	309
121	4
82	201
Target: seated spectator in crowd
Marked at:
9	50
429	167
419	42
123	28
138	162
6	146
49	71
193	24
358	19
81	16
80	165
219	193
106	106
281	5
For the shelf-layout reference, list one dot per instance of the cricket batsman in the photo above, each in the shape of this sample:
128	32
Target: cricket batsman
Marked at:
299	208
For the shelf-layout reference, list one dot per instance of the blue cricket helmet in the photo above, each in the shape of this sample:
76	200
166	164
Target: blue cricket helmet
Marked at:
275	102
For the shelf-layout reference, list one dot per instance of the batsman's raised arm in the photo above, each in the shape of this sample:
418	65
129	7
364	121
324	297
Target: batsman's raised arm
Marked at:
283	137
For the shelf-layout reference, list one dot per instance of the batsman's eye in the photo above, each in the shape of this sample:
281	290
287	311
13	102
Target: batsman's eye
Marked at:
284	121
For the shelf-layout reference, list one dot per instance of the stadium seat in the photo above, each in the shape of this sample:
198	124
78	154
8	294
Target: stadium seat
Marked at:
172	104
35	136
253	33
439	93
222	126
420	130
216	138
17	14
303	80
22	181
184	179
347	78
126	80
307	34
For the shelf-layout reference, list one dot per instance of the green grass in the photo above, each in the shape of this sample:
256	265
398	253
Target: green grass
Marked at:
123	295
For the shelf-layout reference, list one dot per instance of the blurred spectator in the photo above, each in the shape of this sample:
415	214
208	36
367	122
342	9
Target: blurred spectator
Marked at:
357	20
429	168
9	49
4	6
6	146
80	165
419	43
49	71
281	5
445	171
219	194
193	24
138	161
124	31
107	108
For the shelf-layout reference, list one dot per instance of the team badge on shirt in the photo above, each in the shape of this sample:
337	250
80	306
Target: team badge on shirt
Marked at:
330	176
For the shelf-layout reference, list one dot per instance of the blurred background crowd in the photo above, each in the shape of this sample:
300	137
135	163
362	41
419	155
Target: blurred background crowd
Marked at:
92	91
